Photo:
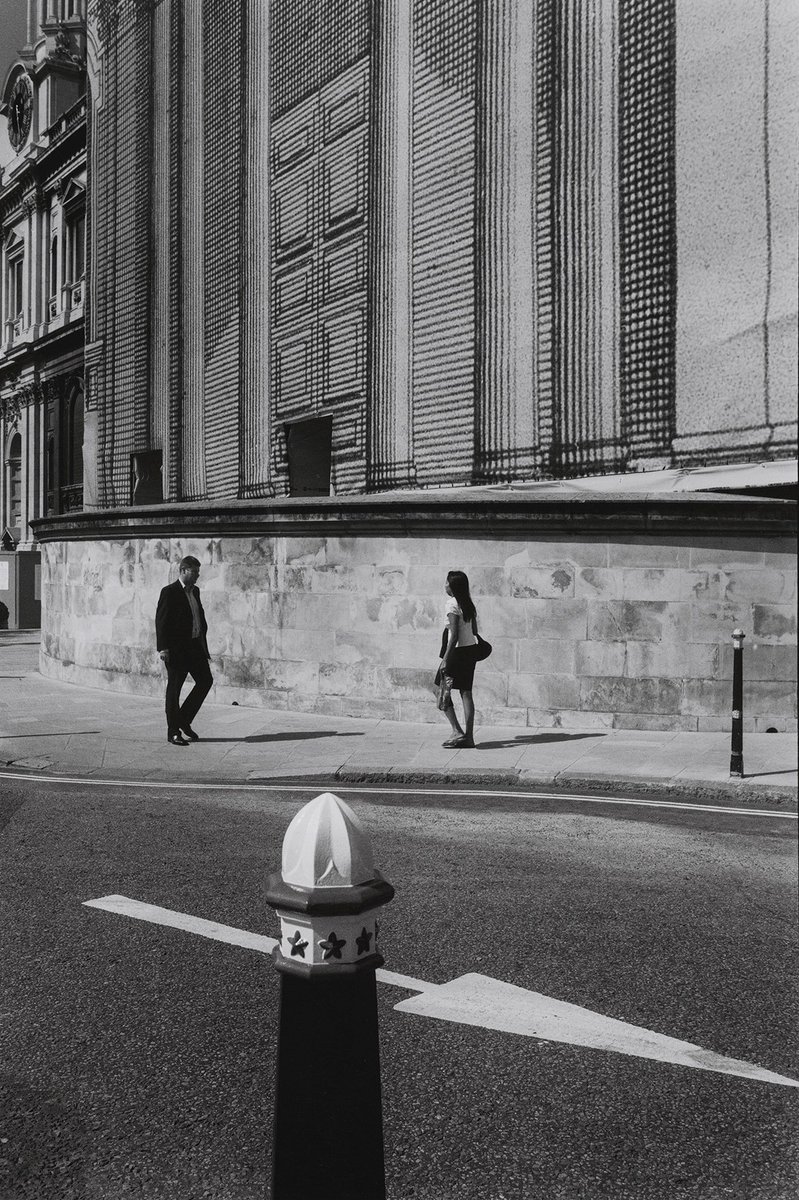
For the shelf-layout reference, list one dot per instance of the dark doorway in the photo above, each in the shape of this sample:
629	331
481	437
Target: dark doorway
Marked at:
308	444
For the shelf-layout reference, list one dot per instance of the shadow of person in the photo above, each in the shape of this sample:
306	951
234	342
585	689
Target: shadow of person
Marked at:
7	737
299	735
539	739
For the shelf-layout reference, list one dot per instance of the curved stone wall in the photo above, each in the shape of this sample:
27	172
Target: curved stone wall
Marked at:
592	625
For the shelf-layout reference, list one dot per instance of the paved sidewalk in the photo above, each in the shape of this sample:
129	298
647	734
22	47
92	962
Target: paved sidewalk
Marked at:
59	729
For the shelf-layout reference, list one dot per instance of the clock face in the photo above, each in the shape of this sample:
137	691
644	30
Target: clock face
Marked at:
20	107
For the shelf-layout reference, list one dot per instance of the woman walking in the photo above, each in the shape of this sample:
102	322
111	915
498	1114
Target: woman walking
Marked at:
460	656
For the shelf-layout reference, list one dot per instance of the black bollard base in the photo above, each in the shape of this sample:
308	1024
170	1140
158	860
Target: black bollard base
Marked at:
328	1133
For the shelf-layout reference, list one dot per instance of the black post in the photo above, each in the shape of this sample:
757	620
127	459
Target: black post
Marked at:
328	1132
737	746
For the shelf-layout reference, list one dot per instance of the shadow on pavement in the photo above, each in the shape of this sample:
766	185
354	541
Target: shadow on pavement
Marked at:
7	737
538	739
761	774
298	736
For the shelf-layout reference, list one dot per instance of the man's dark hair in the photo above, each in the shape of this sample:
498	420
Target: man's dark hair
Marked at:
189	561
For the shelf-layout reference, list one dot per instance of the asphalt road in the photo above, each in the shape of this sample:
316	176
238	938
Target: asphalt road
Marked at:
137	1060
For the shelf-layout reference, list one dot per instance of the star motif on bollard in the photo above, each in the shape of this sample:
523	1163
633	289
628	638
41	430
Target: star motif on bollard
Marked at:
332	946
363	941
297	946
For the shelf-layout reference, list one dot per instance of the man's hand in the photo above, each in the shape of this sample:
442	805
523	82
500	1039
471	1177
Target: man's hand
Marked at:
164	656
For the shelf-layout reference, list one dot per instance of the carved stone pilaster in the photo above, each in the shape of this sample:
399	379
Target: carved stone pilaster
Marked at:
505	417
390	426
587	419
255	466
162	299
192	239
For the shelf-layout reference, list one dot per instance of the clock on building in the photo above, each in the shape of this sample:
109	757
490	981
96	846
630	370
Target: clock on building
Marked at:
20	108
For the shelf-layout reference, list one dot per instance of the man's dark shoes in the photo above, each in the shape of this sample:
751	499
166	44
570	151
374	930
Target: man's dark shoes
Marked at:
189	733
175	739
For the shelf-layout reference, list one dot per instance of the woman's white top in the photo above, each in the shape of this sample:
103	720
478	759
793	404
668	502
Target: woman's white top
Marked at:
465	633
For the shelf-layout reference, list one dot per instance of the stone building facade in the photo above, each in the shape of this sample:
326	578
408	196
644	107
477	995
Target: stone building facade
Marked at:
381	248
43	189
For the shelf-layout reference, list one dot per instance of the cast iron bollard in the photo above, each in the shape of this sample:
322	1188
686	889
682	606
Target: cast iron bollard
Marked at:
328	1134
737	745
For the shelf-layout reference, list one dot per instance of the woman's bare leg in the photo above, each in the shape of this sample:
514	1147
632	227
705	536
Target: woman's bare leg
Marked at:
468	713
451	715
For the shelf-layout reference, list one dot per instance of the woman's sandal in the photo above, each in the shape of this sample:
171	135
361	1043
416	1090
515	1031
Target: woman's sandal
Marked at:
452	742
463	743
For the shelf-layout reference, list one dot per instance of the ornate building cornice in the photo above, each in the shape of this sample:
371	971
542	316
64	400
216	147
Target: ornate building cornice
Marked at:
435	514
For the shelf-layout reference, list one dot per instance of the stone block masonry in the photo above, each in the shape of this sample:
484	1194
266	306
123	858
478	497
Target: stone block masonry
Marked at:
602	615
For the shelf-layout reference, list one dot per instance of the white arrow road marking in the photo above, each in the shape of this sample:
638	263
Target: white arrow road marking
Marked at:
177	920
125	907
491	1004
488	1003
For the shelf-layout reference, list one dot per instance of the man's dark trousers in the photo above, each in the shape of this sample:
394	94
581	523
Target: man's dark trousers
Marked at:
188	659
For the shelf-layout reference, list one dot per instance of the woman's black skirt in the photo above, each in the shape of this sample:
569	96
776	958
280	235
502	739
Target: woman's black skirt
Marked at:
461	668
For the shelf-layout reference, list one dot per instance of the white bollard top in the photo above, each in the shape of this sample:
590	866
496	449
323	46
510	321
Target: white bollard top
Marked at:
326	846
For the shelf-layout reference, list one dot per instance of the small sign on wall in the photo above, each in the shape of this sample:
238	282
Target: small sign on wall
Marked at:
3	576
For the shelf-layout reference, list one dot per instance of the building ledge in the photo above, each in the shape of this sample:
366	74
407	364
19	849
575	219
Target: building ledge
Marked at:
476	512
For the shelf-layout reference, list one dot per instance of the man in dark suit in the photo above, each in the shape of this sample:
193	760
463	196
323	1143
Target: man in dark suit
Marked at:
180	629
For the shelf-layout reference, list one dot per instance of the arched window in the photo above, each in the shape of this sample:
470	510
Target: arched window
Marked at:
53	272
15	484
15	270
71	444
75	248
76	436
51	508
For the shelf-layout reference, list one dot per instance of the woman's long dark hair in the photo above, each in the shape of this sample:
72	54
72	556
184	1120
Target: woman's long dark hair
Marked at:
459	586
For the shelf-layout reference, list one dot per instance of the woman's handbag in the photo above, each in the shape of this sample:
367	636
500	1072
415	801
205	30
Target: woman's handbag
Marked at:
482	649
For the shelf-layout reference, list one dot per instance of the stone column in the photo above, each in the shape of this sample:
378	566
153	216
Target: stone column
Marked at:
38	260
162	299
3	285
192	236
33	459
389	417
505	415
60	251
587	204
45	281
29	280
255	448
